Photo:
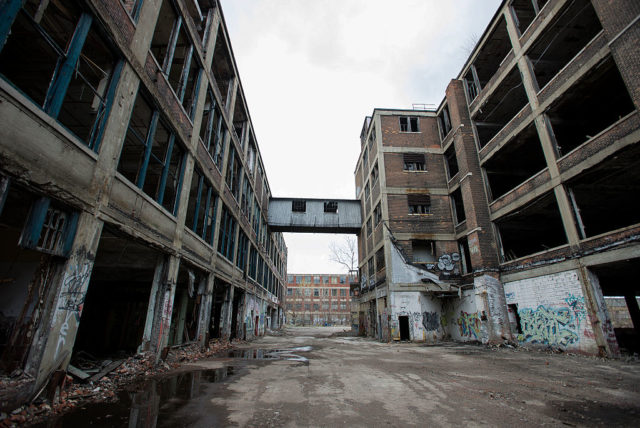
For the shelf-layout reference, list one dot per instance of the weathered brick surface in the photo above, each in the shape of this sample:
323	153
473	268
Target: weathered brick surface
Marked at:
433	176
439	221
427	137
524	115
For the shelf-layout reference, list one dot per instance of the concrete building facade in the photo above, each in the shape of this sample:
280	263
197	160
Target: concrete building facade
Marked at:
505	213
318	299
133	196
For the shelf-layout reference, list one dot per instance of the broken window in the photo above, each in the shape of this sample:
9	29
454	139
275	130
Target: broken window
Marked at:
298	206
247	197
365	158
369	226
174	52
253	265
492	53
234	173
423	251
471	84
374	174
151	158
227	234
594	103
251	156
201	211
501	106
371	268
58	56
243	248
367	192
532	228
213	129
377	214
409	124
222	68
419	204
413	161
444	122
372	137
380	259
517	161
331	207
451	161
573	28
457	206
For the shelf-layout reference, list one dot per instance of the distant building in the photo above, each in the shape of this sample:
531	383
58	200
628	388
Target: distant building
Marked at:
318	299
509	211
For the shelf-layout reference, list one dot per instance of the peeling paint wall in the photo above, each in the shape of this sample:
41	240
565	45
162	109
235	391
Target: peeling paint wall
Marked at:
552	312
460	318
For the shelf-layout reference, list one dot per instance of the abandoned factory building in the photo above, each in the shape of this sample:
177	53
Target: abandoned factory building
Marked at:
133	196
509	212
319	299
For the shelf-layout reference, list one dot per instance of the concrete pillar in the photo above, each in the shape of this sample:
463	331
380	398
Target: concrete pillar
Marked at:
491	306
205	291
227	313
598	314
634	310
163	305
68	304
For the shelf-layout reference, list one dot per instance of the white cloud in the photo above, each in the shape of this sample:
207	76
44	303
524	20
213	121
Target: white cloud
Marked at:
312	70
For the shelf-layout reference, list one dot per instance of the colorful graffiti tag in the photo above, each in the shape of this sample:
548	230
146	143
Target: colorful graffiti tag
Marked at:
548	326
469	325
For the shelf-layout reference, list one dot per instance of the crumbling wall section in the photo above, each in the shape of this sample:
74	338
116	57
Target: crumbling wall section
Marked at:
552	312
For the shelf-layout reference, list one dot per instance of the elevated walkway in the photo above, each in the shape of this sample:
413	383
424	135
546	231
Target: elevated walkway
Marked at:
314	215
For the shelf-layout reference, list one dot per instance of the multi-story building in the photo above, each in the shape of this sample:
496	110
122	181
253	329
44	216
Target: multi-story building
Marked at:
507	213
133	196
318	299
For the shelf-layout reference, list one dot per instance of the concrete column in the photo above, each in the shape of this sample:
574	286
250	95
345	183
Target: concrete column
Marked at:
163	307
68	304
492	308
227	313
598	314
634	310
205	290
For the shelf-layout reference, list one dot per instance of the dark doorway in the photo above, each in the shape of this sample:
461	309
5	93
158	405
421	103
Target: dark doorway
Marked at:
235	313
404	328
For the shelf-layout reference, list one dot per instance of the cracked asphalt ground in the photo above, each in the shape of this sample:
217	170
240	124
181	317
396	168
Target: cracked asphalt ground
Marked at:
358	382
352	381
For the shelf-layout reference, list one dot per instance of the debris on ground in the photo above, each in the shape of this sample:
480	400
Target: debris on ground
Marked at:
92	380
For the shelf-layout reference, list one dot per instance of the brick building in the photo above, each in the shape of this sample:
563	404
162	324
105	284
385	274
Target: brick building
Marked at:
133	196
318	299
508	212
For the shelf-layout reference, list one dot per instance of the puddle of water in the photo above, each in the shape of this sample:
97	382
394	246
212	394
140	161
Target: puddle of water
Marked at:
149	404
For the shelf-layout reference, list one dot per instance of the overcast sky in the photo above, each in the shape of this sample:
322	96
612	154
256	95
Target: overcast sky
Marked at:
312	70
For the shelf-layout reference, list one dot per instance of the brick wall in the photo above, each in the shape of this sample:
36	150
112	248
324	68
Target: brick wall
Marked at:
426	137
552	312
439	221
433	176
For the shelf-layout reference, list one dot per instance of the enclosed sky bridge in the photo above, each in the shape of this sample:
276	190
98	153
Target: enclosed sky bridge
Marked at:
315	215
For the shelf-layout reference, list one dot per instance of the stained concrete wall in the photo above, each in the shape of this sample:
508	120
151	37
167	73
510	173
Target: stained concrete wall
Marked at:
347	219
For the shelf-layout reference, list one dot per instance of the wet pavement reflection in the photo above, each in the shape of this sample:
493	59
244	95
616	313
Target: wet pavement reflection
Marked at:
167	401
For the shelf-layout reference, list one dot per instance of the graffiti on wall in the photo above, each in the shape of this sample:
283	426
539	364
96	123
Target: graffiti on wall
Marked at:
430	320
469	325
548	326
74	286
447	264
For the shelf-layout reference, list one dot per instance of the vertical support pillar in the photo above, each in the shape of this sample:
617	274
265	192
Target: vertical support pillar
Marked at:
491	304
598	314
205	290
163	307
65	320
634	310
227	313
155	287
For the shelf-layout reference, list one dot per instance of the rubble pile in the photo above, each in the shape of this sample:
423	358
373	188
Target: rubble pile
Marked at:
92	380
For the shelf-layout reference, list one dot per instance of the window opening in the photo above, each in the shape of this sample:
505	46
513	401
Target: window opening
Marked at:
413	161
298	206
331	207
419	204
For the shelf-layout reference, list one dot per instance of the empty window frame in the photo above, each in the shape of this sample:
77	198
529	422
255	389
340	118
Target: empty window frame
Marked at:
471	84
243	249
58	57
298	206
409	124
419	204
49	228
380	259
331	207
423	251
257	214
367	191
457	206
451	161
213	129
374	174
227	234
377	214
444	122
413	162
372	137
201	211
465	255
365	158
253	265
369	226
247	197
371	268
174	51
234	173
151	158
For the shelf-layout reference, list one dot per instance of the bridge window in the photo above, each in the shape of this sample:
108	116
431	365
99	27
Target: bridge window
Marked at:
298	206
331	207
